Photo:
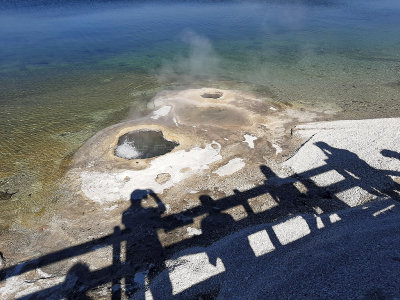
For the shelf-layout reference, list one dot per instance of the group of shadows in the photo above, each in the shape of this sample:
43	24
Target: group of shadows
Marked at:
144	250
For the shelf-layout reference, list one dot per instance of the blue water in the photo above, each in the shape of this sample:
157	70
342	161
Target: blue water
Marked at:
68	69
78	35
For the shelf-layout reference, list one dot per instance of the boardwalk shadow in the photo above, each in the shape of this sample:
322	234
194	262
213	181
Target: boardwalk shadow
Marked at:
138	252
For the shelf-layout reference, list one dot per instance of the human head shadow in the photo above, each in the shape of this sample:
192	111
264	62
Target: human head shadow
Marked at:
77	282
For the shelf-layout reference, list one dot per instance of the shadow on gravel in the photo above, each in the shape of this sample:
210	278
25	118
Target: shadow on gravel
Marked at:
139	255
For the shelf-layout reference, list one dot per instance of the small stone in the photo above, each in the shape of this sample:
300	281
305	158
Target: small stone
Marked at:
193	231
184	170
163	178
212	94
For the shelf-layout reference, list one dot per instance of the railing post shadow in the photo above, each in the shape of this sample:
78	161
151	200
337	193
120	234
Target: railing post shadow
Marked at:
116	287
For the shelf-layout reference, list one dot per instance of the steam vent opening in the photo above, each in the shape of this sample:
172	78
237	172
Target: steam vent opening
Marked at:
212	95
143	144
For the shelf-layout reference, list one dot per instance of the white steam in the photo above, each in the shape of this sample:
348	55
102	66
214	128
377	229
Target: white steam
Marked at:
127	150
201	62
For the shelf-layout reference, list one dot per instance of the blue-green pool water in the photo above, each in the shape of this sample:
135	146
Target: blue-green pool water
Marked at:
69	69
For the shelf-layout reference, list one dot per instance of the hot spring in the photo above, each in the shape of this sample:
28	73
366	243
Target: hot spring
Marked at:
143	144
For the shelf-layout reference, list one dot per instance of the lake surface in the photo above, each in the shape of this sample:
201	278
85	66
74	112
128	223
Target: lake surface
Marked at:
69	70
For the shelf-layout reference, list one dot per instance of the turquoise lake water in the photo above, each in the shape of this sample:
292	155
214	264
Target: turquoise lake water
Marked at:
69	69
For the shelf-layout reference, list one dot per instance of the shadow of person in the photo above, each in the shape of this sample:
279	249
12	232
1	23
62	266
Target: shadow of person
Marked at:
291	201
77	282
77	277
144	253
283	191
307	193
357	172
215	225
396	185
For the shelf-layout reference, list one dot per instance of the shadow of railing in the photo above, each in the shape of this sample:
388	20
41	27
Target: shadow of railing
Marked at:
145	251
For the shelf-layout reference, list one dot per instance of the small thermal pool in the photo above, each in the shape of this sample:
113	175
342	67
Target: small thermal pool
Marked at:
141	144
212	95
